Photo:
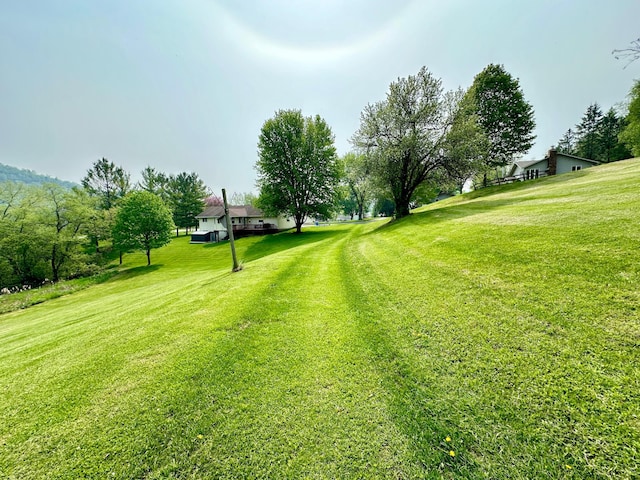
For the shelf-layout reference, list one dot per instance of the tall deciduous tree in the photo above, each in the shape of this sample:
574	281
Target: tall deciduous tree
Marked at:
23	241
107	181
43	233
358	179
631	133
406	137
298	171
244	198
504	114
631	53
143	222
66	216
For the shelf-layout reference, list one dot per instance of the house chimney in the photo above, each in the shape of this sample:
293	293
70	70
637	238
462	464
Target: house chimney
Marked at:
553	161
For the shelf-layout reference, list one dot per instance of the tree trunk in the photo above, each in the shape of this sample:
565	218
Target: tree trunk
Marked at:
402	204
298	227
148	257
54	267
120	257
402	209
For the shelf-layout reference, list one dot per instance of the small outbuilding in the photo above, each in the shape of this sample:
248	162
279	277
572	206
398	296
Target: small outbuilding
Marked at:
201	237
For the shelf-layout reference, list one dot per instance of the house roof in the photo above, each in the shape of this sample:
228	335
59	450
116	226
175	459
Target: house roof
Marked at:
595	162
527	163
242	211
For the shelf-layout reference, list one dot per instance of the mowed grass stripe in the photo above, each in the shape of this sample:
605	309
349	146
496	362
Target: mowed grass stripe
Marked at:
504	360
502	326
309	398
100	359
277	386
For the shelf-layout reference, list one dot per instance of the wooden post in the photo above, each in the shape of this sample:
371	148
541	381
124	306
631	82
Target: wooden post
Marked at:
230	231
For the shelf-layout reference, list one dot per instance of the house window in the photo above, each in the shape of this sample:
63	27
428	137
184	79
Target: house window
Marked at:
260	221
576	167
203	220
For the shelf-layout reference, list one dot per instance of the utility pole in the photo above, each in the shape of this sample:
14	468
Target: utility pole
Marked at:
230	231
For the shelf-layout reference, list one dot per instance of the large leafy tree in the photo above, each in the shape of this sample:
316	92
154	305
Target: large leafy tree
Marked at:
107	181
631	133
143	222
505	116
43	233
66	216
298	170
407	138
23	241
358	179
186	196
243	198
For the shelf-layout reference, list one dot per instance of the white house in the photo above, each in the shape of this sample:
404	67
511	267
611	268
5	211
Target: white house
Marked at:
553	164
245	220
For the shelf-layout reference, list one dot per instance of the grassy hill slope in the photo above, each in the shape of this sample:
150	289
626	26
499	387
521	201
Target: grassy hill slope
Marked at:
492	335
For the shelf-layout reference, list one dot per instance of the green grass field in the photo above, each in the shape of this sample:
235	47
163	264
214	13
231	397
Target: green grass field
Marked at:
491	335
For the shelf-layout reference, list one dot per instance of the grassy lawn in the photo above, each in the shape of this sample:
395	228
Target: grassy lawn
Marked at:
491	335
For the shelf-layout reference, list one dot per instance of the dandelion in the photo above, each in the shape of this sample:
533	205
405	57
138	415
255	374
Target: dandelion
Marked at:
568	467
448	439
452	453
200	436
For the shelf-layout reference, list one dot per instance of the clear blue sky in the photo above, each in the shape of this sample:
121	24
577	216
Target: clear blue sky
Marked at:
185	85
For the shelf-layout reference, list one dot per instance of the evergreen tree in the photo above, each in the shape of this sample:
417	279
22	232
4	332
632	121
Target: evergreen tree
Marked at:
567	144
186	195
611	149
107	181
155	182
589	144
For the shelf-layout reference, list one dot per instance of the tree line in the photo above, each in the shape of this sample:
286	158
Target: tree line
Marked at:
418	141
13	174
49	232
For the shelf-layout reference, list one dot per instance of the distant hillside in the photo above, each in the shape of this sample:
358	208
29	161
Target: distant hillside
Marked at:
13	174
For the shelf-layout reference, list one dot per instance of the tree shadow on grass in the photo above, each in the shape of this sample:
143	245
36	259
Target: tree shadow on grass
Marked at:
438	215
468	204
270	244
135	272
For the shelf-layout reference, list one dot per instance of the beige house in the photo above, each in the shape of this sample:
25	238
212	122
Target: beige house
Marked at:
245	220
